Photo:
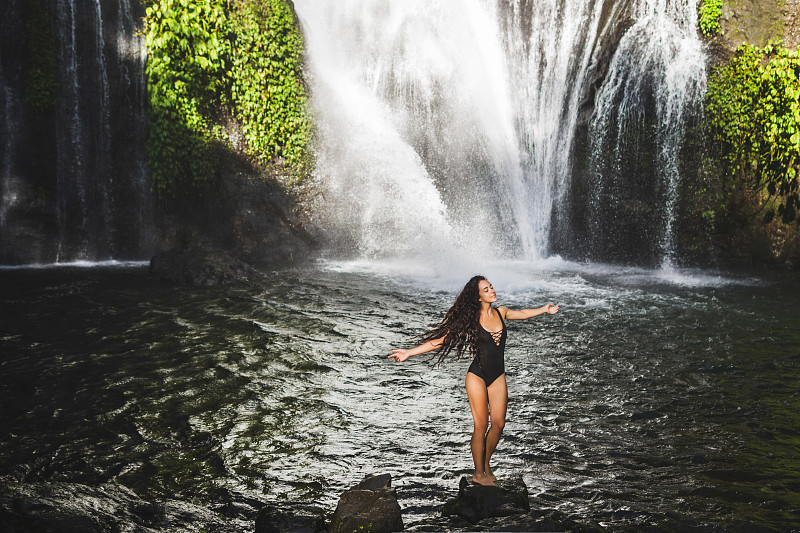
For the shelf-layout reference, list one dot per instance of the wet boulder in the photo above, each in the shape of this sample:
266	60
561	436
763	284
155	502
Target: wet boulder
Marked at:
476	502
369	506
199	268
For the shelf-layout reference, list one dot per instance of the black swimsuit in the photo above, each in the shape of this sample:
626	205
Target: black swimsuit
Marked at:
489	364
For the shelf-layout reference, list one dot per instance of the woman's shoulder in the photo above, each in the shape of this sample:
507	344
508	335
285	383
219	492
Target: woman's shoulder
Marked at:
502	310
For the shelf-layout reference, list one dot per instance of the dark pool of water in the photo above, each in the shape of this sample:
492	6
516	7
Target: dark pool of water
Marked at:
652	400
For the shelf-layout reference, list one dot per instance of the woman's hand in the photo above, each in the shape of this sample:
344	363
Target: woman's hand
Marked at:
550	309
400	355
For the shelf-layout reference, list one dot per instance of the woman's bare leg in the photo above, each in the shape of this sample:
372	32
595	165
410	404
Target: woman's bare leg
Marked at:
479	405
497	394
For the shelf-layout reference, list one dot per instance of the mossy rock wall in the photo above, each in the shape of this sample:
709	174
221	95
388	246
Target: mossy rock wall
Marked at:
754	21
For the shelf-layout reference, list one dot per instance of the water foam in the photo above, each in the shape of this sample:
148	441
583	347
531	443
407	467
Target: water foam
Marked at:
110	263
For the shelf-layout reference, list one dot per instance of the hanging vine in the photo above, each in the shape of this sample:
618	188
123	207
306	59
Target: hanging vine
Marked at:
185	79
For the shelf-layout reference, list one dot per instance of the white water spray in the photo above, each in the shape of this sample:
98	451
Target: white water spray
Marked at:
448	125
417	128
551	48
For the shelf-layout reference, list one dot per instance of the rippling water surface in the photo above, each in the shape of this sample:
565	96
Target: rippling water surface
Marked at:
665	399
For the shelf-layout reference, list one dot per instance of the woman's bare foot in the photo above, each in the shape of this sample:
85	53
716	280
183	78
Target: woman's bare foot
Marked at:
490	475
482	479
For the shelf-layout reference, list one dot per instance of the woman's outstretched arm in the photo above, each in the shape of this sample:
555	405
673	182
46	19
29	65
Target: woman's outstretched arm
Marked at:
522	314
402	355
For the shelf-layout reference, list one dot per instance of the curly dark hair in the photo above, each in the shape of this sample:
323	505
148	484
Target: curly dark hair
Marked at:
460	324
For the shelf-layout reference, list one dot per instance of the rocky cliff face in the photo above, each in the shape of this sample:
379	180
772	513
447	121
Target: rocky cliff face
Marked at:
755	21
759	22
791	18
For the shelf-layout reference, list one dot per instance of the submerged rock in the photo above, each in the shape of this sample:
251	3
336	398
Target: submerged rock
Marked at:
476	502
199	268
371	506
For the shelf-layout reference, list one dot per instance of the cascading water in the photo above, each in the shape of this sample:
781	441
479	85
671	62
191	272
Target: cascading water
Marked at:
71	186
131	48
552	49
103	151
74	177
7	164
655	84
444	126
85	171
456	121
418	146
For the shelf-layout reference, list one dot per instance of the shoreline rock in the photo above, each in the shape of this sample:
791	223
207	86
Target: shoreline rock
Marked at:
504	507
369	507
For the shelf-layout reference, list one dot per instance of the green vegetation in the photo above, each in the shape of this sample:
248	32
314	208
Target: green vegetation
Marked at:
710	11
753	115
267	92
185	77
212	60
40	91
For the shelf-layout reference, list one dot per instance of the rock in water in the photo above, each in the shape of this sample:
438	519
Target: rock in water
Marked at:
374	482
476	502
369	507
199	268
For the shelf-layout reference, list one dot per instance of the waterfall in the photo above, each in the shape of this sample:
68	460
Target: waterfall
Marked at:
418	150
7	169
131	49
85	173
449	125
103	150
71	177
75	182
498	128
552	48
654	87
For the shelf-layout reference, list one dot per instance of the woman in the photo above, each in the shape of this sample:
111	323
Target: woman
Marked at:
473	325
